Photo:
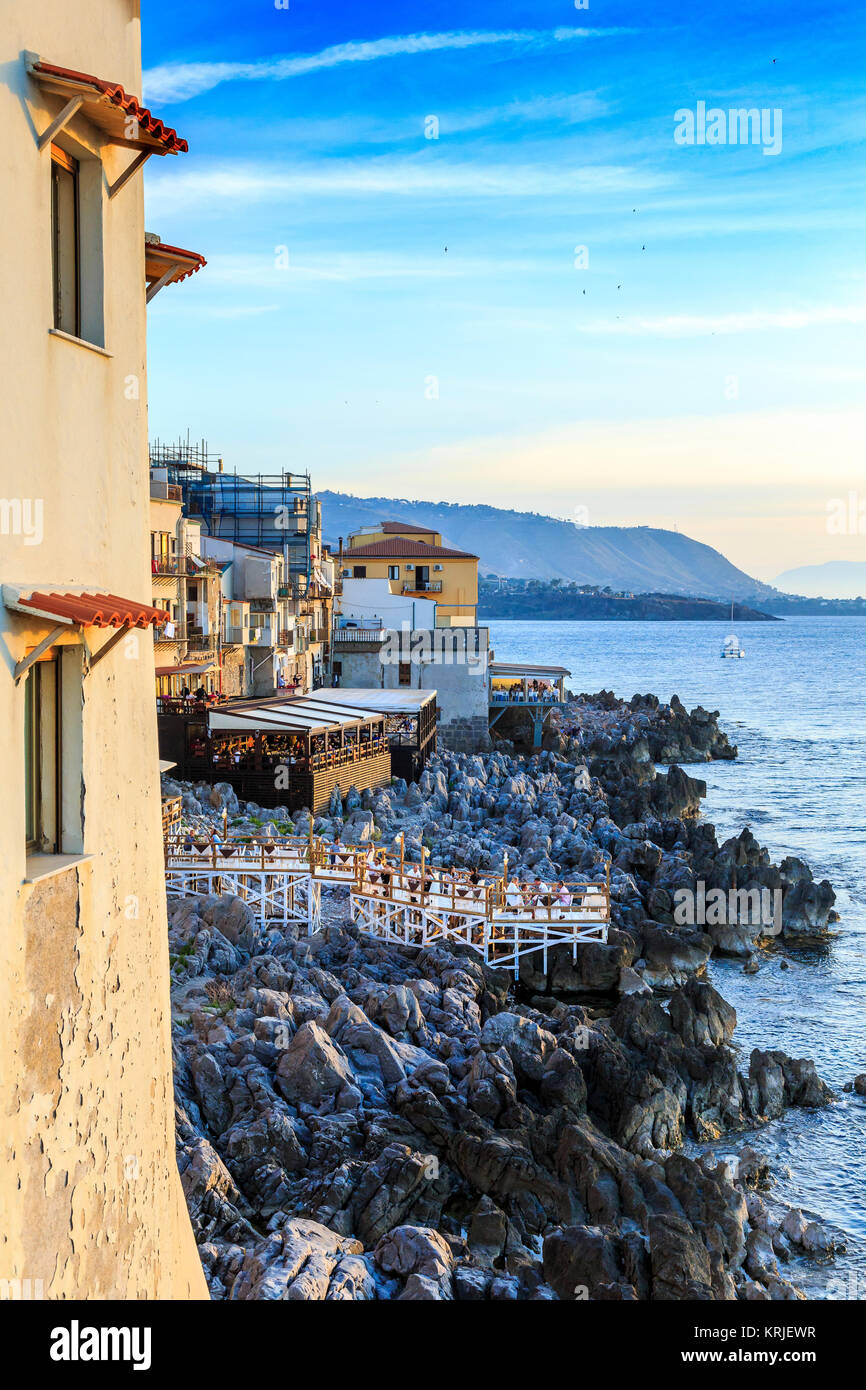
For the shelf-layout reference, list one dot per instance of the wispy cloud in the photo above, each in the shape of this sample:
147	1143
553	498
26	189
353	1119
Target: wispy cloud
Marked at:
705	325
397	178
181	81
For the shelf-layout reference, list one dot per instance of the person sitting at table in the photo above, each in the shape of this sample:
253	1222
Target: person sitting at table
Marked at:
542	893
513	895
562	898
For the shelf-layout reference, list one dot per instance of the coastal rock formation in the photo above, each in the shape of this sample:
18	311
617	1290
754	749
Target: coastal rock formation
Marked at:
359	1120
363	1121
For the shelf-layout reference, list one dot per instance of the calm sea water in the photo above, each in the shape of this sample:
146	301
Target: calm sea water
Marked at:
796	708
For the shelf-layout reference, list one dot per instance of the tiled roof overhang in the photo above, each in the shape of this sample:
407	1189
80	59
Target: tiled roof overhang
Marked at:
161	259
86	609
110	108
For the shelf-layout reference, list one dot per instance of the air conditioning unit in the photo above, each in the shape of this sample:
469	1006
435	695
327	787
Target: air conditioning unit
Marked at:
438	567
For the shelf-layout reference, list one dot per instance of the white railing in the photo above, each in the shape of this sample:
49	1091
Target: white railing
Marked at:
402	903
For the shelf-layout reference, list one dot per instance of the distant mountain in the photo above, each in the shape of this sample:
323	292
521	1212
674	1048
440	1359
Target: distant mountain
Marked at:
528	545
835	579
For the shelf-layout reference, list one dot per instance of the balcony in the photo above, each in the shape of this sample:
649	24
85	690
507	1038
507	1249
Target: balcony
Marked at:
171	565
422	586
165	492
351	636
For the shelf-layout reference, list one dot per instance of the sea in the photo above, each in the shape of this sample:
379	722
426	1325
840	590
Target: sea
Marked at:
796	708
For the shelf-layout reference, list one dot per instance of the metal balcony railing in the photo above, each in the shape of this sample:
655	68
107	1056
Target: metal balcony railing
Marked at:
345	636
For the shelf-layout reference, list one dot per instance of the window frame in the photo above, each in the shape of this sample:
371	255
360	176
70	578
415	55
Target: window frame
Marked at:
43	789
61	160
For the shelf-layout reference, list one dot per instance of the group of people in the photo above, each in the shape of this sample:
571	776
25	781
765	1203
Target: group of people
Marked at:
533	896
535	691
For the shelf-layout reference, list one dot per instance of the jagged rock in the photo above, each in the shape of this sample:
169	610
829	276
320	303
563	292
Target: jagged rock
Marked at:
314	1070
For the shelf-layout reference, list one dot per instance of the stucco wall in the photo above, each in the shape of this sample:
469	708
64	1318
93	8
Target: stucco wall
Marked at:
91	1200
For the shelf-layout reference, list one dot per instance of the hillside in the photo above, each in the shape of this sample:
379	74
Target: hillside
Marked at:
531	546
835	579
542	602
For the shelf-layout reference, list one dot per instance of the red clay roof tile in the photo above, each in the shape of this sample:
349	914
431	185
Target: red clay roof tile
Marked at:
93	610
152	125
397	549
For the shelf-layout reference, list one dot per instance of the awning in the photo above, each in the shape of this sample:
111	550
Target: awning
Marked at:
165	764
518	669
300	715
109	107
75	609
168	265
356	699
186	669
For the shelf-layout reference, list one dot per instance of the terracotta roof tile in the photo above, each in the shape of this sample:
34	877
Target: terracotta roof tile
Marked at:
163	134
397	549
92	610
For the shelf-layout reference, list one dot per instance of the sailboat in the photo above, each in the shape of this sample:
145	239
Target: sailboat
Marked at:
731	649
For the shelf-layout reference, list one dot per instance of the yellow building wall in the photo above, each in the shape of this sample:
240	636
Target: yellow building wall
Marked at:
91	1204
459	578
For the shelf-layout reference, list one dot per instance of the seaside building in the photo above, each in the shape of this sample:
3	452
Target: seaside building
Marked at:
281	751
91	1199
524	695
416	564
262	513
390	631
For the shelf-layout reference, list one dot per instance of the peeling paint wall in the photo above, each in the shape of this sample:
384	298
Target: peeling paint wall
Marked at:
90	1200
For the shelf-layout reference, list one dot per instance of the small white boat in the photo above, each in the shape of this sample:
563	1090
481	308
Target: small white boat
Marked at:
731	649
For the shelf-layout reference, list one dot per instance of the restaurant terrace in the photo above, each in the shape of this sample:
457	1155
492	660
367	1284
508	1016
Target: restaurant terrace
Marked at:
537	689
279	752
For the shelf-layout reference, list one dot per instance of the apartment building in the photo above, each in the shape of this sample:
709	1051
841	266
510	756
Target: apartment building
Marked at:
416	564
91	1200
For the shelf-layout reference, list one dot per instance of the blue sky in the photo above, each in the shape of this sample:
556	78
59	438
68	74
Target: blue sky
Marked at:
699	364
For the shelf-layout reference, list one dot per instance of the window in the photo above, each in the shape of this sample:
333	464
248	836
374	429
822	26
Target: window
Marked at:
65	241
359	572
42	756
393	571
405	673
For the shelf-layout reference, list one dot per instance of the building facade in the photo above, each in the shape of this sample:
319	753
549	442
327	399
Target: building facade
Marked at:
386	639
416	564
91	1200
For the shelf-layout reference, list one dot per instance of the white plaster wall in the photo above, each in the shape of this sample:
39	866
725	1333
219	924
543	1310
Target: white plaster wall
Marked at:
90	1196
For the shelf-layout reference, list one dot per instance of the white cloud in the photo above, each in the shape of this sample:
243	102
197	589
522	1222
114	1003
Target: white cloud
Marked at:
181	81
424	176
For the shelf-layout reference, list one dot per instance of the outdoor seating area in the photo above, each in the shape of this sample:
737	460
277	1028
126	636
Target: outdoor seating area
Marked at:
277	752
535	689
399	901
515	684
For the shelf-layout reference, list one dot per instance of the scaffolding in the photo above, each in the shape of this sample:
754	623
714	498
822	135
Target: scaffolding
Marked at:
273	511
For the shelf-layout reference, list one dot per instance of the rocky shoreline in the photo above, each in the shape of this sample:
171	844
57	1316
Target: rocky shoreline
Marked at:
359	1120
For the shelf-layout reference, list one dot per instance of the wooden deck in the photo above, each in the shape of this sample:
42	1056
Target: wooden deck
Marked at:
403	903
